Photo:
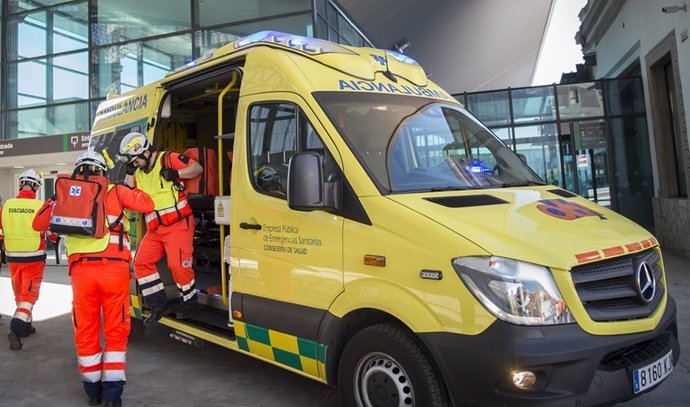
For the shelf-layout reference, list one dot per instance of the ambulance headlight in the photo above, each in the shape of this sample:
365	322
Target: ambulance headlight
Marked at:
514	291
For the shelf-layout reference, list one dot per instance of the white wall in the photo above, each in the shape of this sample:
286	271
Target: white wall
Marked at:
638	28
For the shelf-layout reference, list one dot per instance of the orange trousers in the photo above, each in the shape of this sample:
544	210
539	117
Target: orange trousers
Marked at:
101	286
176	243
26	284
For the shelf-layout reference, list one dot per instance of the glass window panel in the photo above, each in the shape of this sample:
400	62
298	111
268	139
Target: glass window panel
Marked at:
533	104
348	35
321	7
332	16
31	83
490	107
124	67
71	77
538	147
505	134
624	96
50	120
17	6
124	20
214	12
633	174
580	100
58	29
70	27
30	36
299	25
321	28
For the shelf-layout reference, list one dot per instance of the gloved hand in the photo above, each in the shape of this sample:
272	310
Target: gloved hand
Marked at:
169	174
130	169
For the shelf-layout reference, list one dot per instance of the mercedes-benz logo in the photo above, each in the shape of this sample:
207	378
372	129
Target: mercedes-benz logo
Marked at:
646	282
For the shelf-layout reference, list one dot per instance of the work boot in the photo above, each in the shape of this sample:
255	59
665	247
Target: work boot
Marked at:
184	313
156	315
15	343
95	401
113	403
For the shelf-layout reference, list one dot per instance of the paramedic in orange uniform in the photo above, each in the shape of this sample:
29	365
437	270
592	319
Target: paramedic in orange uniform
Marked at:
170	227
25	251
99	269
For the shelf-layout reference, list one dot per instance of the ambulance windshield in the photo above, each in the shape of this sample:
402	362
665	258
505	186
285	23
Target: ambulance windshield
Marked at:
410	144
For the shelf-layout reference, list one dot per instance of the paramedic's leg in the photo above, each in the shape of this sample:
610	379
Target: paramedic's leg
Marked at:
26	283
116	323
149	253
179	249
86	319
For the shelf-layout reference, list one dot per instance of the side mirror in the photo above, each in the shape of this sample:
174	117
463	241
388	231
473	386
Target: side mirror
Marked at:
307	190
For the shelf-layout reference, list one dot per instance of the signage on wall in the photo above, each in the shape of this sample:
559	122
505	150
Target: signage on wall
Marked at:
44	145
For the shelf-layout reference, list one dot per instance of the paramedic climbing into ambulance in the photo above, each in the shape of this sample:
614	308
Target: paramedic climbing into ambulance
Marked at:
99	270
170	227
25	250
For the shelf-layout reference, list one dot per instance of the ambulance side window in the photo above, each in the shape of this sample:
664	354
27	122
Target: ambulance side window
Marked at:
276	132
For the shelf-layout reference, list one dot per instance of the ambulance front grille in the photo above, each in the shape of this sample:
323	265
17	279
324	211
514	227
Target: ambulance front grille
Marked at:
609	290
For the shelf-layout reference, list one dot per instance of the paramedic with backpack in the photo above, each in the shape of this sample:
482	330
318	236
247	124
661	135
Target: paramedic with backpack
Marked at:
99	270
170	227
25	250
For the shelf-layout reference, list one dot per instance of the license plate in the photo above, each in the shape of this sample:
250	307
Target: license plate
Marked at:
655	372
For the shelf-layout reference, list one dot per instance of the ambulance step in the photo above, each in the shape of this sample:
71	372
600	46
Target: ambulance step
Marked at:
187	339
211	319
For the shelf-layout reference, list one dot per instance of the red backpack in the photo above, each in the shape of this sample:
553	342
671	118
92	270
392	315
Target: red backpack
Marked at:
80	205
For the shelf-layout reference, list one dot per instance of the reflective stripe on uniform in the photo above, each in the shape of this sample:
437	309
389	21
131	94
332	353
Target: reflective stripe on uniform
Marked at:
151	284
90	367
187	291
26	254
151	216
22	314
114	366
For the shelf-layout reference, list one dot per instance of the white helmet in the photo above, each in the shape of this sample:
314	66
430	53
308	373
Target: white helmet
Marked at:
132	146
91	158
31	177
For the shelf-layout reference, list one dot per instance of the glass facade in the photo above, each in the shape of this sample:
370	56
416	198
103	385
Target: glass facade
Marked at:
589	138
60	58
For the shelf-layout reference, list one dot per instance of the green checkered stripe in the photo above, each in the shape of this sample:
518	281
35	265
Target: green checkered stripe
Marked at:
135	307
301	354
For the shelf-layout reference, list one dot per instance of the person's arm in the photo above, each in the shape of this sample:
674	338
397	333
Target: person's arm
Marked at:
41	221
182	167
134	199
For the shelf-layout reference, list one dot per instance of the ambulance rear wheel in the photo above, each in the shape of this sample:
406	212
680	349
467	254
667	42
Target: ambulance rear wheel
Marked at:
384	366
137	328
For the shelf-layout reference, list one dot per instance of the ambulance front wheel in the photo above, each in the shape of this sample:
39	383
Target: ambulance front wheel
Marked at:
136	328
384	365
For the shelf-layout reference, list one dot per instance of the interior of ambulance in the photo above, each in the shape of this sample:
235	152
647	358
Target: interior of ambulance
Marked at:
197	112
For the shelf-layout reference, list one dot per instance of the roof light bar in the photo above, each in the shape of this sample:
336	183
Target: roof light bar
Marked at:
306	44
402	58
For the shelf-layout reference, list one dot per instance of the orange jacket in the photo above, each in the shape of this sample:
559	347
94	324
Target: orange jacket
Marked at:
119	197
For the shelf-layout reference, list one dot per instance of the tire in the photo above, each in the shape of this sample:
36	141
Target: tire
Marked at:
386	366
137	328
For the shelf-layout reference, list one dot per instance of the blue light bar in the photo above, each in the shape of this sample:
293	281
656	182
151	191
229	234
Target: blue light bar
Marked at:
402	58
306	44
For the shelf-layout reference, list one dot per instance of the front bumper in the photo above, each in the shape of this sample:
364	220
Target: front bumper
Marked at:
573	367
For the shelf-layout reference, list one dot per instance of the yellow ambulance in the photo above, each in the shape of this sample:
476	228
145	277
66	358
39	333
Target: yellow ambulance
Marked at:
371	234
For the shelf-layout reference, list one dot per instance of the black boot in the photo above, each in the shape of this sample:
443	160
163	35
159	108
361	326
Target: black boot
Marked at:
113	403
156	315
15	343
95	401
